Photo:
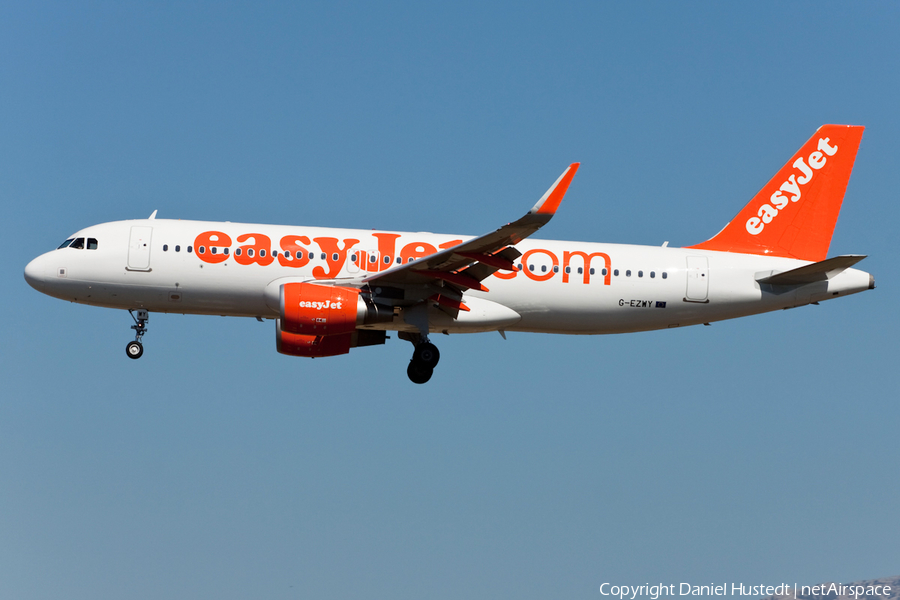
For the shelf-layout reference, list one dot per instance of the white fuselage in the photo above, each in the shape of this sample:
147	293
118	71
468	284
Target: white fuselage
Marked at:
156	264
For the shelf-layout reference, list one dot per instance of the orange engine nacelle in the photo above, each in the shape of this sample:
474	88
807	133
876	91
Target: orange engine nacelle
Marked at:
310	309
320	320
312	346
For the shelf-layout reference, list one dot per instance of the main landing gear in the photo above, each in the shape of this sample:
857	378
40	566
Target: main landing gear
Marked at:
135	349
424	359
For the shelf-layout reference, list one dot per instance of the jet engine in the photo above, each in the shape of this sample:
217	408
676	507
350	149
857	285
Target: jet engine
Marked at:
321	320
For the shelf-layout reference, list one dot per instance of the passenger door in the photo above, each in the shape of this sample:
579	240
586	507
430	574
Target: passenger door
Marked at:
697	279
139	248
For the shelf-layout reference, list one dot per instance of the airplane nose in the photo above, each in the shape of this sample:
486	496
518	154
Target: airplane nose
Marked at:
35	272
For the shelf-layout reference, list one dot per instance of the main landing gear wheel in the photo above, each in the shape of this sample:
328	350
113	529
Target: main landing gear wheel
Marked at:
426	355
424	359
134	349
418	373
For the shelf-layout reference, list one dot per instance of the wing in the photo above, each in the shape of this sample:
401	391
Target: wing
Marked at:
464	266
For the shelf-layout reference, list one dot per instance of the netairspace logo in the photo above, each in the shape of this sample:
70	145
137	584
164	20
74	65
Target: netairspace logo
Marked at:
654	592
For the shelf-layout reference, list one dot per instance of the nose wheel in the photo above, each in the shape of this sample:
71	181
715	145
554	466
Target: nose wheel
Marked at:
135	349
424	359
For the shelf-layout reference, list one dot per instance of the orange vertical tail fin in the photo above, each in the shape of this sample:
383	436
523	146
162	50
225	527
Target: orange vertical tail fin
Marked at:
794	214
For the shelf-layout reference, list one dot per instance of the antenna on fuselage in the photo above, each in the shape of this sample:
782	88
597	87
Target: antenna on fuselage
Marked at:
153	216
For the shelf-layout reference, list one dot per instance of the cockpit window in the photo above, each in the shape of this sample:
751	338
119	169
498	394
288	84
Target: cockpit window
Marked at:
92	244
78	244
66	243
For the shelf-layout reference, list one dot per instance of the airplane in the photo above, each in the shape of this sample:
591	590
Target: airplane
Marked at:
329	290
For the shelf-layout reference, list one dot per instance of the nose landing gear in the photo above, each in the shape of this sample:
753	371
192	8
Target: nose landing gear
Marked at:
135	349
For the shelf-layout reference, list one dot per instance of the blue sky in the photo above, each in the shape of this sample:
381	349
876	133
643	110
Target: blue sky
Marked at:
760	450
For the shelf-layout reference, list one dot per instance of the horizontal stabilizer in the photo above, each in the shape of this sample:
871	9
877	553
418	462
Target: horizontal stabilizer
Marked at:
819	271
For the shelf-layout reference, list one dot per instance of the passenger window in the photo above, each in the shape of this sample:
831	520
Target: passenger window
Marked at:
213	249
555	269
165	247
299	255
531	267
201	250
177	248
616	272
568	270
628	273
665	275
190	249
640	273
92	244
78	244
262	253
372	259
652	274
311	256
66	243
334	256
387	259
580	270
237	252
592	270
250	252
225	251
323	256
352	258
604	272
399	260
543	268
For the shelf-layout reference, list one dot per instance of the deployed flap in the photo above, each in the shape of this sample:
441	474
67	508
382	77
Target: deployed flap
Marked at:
819	271
468	263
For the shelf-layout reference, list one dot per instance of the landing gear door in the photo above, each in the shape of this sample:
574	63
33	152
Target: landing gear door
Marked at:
697	279
139	248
